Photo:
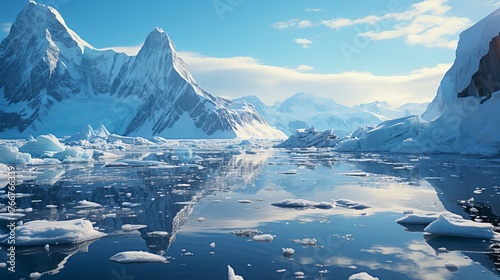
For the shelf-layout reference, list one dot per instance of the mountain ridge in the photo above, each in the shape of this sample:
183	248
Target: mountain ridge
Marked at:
52	81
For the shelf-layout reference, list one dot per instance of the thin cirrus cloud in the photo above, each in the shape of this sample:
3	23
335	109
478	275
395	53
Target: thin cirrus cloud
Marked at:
424	23
292	23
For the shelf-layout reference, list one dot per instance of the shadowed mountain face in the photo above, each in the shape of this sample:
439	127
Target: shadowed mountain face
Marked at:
52	81
487	79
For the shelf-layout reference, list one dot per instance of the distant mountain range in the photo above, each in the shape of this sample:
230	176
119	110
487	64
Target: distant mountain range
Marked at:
304	110
52	81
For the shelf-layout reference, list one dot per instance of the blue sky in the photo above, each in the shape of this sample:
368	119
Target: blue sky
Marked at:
353	51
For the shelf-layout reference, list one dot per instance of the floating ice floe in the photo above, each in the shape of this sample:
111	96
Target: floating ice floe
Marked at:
362	276
84	204
245	232
287	252
48	146
304	138
137	257
263	238
355	174
35	275
41	232
231	275
306	241
424	218
351	204
245	201
12	155
158	233
113	138
302	203
129	227
462	228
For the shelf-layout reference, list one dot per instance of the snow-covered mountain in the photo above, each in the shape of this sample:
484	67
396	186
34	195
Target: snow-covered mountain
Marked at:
463	118
52	81
305	110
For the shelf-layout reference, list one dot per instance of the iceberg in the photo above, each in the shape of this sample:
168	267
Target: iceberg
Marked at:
263	238
461	228
42	232
305	138
137	257
302	203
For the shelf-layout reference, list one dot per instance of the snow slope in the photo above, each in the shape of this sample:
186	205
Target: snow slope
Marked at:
51	81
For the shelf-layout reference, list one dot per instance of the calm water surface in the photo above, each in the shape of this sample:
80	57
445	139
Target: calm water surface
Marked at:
201	202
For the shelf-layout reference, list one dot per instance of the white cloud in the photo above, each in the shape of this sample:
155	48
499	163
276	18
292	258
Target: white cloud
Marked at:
285	24
304	68
240	76
292	23
492	3
5	26
313	10
305	43
425	23
304	24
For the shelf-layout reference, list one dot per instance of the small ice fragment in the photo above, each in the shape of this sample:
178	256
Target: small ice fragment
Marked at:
352	267
201	219
306	241
212	245
50	206
263	238
188	254
451	266
35	275
245	201
3	265
46	247
246	232
129	227
290	172
355	174
299	273
288	252
158	233
217	201
325	271
281	270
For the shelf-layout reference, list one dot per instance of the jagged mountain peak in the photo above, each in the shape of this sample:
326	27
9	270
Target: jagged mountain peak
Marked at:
35	17
52	81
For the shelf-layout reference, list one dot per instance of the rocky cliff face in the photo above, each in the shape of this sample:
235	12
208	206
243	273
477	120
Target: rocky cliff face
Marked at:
51	81
487	79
